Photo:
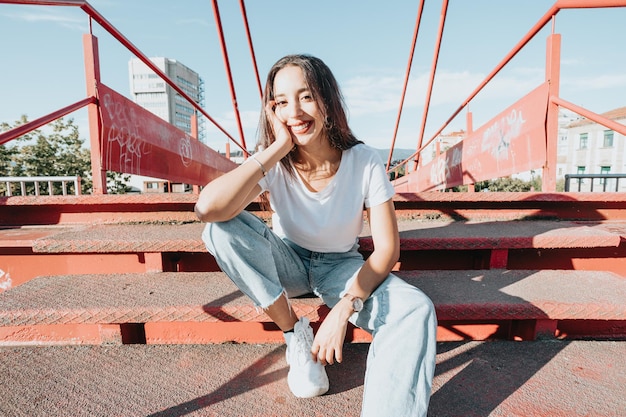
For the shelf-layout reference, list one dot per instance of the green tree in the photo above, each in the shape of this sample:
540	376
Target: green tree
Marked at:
9	150
7	153
6	156
505	184
59	153
117	183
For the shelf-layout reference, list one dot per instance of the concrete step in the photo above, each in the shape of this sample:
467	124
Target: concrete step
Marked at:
414	235
497	378
173	207
207	308
29	251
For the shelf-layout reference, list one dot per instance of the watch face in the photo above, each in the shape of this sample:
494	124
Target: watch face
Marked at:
357	304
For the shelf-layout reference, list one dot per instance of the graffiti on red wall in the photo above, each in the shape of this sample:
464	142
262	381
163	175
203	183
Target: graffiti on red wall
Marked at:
136	141
512	142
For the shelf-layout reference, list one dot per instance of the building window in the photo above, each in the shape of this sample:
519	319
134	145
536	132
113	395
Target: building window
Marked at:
584	138
580	171
604	171
608	139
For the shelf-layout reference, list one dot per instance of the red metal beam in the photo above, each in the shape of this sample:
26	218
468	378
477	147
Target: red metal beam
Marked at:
513	141
553	78
431	81
92	79
46	3
21	130
106	25
136	141
256	69
618	127
588	4
95	15
552	11
531	33
406	80
233	94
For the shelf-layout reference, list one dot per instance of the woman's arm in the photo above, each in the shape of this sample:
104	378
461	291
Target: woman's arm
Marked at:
386	239
226	196
329	339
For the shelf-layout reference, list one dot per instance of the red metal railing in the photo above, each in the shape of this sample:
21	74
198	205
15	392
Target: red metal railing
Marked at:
414	181
98	159
37	123
554	101
106	25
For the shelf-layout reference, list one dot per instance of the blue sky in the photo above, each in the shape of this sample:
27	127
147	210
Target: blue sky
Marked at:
365	42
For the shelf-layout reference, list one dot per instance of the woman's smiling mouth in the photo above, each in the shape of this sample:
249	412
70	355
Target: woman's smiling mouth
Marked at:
301	127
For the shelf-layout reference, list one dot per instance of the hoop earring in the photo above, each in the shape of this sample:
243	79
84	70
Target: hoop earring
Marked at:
328	125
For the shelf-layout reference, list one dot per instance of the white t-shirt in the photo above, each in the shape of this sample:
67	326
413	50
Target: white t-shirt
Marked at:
329	220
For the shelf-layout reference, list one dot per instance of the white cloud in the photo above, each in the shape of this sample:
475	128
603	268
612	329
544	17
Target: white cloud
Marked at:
603	81
373	101
249	121
193	21
371	94
45	14
375	94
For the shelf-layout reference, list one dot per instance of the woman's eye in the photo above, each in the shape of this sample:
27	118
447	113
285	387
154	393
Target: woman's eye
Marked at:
307	97
281	103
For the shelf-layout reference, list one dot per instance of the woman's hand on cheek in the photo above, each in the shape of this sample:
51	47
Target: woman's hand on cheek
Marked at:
281	131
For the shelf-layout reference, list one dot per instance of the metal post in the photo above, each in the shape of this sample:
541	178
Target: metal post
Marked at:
92	76
553	68
470	128
233	94
247	26
431	81
406	81
194	134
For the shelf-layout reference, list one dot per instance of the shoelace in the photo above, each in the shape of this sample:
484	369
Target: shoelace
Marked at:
302	341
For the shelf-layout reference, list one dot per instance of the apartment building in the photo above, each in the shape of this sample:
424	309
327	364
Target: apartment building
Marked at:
155	95
586	147
152	93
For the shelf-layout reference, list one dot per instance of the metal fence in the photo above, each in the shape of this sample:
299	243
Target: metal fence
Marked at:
33	185
604	181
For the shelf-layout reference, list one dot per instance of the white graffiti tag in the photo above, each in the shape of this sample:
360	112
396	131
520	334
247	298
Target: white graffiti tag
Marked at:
185	151
439	173
124	132
5	281
497	138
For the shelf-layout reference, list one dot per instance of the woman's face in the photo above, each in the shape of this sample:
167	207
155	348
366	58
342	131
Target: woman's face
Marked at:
296	107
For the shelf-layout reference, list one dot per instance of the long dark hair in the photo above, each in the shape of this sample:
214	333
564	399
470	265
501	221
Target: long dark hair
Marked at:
326	93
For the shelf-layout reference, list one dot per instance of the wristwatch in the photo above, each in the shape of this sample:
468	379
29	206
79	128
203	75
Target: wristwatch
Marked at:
357	303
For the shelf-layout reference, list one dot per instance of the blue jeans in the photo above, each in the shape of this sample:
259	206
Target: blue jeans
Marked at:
401	318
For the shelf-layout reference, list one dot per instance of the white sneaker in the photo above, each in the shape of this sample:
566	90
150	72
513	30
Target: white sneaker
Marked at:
306	377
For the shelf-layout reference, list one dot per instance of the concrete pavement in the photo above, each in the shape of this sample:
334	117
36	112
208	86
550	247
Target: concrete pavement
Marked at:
497	378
